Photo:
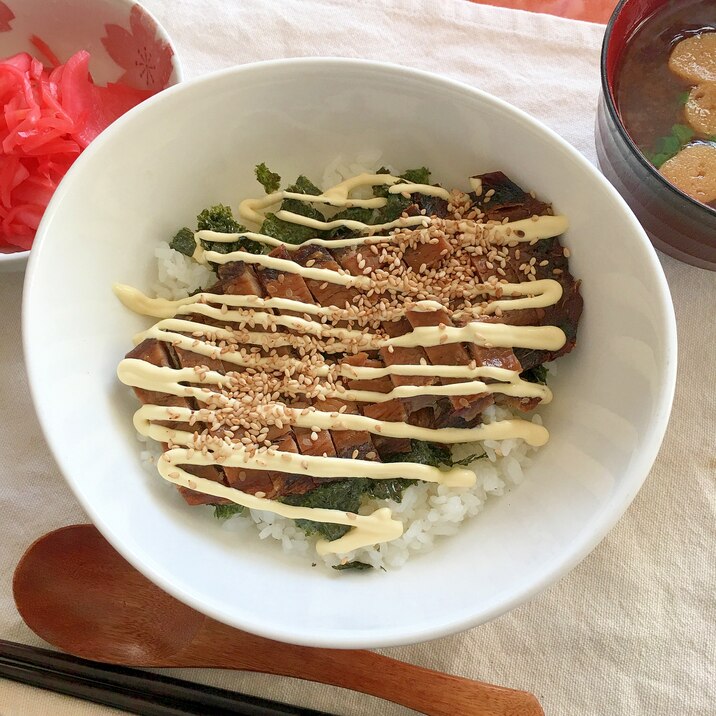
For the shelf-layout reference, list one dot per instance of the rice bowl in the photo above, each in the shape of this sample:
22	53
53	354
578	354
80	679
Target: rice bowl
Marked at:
606	429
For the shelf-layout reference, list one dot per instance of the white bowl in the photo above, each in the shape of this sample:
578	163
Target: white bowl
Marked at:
197	144
124	41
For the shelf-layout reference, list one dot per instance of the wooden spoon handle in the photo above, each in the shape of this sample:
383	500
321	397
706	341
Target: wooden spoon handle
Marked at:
429	692
426	691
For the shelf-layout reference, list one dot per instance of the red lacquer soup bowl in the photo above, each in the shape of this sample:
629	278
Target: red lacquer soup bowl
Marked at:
677	224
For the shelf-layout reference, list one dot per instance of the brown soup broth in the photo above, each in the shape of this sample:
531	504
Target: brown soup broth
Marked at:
650	97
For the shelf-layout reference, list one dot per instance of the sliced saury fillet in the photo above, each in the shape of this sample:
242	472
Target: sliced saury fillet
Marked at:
349	444
238	278
326	294
351	259
389	410
548	259
355	260
345	444
272	484
508	200
282	284
159	353
465	407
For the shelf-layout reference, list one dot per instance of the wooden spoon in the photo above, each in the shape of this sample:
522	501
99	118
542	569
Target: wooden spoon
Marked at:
77	593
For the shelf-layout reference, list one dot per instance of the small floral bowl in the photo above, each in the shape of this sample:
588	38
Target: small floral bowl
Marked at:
127	45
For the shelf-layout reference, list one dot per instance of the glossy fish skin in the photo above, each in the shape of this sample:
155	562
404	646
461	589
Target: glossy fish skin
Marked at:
159	353
295	287
325	294
391	410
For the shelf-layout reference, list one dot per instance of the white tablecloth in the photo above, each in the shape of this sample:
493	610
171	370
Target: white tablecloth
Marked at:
632	629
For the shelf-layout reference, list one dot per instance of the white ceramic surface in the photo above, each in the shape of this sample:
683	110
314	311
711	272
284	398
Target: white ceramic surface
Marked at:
71	25
196	145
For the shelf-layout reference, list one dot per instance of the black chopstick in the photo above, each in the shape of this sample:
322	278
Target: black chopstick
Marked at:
132	690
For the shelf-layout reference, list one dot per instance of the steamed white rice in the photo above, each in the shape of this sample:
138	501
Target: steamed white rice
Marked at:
178	275
427	511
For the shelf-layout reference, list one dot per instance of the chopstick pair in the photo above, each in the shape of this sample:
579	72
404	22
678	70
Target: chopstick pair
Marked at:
132	690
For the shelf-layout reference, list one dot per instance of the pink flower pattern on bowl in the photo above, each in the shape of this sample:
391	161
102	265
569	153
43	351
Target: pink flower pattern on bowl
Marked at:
145	58
129	49
6	17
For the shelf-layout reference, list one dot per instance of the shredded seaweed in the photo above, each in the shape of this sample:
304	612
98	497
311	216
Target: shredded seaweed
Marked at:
184	242
397	203
433	454
423	453
538	374
346	496
506	192
291	233
269	180
417	176
224	512
303	185
353	213
389	489
467	461
220	218
287	231
355	564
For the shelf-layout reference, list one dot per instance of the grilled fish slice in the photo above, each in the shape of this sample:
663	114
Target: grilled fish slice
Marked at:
326	294
355	259
272	484
466	407
281	284
390	410
349	444
238	278
158	353
507	200
331	443
426	255
322	445
547	257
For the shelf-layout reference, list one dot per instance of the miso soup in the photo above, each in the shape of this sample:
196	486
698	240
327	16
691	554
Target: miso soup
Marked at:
666	94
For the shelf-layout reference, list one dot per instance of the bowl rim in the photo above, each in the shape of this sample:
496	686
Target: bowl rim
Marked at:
15	259
613	111
574	552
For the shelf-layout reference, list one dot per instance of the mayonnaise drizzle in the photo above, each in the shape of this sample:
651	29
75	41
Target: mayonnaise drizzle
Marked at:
207	235
524	230
542	293
315	466
339	196
254	311
477	331
164	379
367	529
491	335
140	374
271	262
